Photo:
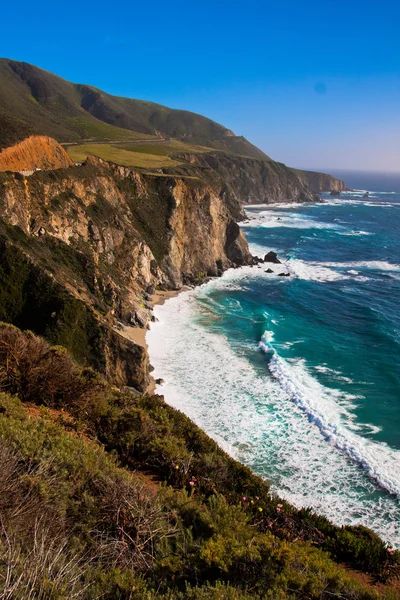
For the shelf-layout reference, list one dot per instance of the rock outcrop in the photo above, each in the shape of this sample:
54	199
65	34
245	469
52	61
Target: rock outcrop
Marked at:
246	180
35	152
320	182
107	236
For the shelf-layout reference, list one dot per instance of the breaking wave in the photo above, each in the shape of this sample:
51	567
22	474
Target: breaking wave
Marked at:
319	404
279	420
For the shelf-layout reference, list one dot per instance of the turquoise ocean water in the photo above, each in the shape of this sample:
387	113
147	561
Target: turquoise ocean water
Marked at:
299	377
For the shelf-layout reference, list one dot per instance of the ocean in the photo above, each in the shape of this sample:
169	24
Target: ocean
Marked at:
299	377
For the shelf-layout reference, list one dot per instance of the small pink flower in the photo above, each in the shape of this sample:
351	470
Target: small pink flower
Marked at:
191	483
278	509
244	498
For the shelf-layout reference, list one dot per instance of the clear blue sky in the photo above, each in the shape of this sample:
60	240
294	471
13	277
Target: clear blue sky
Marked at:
314	83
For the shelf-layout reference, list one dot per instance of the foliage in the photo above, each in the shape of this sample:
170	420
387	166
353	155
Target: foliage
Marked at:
211	531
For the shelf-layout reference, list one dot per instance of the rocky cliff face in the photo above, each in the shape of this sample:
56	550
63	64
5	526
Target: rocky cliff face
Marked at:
107	236
35	152
250	181
320	182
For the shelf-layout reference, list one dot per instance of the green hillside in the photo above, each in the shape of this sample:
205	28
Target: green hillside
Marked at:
35	101
117	496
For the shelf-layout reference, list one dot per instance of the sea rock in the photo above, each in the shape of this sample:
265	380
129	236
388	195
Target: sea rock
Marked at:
272	257
283	274
269	271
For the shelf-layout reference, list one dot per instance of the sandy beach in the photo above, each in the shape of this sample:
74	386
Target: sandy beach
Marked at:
138	334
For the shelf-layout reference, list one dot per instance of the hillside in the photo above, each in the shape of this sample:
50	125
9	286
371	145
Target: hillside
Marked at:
44	103
113	495
144	135
320	182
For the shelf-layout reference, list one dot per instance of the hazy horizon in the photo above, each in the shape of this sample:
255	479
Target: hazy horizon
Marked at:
311	84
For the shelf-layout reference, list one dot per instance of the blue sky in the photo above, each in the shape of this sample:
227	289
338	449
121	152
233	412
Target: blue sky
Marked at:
315	84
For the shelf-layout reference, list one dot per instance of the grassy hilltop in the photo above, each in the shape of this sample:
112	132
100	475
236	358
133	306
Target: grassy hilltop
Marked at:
33	100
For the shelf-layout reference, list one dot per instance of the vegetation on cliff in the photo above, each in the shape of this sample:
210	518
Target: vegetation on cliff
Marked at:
70	112
106	494
140	134
82	248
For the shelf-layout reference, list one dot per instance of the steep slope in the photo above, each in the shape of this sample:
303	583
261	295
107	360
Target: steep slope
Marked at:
69	112
320	182
248	180
113	495
34	152
86	245
12	129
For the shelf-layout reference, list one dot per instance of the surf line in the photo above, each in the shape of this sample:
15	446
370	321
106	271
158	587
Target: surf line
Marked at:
331	432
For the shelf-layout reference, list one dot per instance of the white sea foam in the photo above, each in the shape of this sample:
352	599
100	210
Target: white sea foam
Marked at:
356	202
356	233
337	375
380	462
313	271
269	220
377	265
285	425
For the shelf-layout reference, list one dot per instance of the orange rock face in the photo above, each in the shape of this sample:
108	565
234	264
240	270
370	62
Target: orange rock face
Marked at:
35	152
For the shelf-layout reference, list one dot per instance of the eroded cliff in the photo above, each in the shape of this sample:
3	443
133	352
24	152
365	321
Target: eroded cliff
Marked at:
244	180
101	238
320	182
34	152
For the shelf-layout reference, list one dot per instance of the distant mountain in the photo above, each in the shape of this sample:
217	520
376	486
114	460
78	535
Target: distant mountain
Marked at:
35	101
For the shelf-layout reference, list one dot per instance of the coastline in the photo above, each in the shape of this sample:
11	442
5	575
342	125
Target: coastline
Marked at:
374	521
138	334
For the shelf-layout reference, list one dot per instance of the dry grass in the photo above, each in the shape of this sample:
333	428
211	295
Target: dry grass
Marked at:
165	147
120	156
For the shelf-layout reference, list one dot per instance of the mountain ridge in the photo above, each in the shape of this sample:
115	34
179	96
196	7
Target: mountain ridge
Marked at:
41	99
36	102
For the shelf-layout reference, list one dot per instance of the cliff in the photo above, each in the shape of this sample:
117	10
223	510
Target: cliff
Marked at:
320	182
94	241
34	152
245	180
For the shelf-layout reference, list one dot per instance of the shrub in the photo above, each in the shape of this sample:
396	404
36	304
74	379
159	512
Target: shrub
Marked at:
42	374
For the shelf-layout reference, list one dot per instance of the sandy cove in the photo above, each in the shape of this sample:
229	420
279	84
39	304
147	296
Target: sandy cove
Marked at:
138	334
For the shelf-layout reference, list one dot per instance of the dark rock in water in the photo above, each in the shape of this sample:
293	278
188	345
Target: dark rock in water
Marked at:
279	219
154	319
366	195
272	257
257	260
283	274
269	271
159	381
335	193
